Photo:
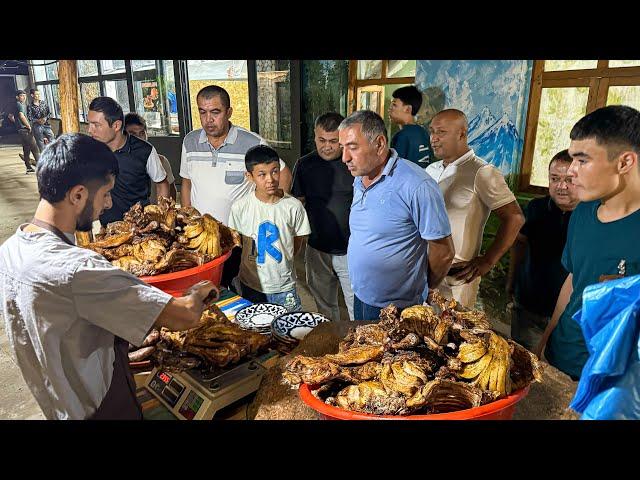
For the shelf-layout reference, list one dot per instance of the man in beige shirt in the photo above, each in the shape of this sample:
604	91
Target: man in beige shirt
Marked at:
472	189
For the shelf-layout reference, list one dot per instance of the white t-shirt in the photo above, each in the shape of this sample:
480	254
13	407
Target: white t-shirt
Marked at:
155	170
472	188
153	196
267	232
62	306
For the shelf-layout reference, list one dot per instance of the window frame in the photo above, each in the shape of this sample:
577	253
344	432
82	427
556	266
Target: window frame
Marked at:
355	83
598	80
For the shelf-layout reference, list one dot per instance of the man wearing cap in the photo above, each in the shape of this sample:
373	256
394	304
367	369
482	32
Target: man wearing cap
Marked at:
24	130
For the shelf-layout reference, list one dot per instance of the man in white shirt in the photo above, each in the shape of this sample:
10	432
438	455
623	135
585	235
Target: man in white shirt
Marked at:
212	164
472	189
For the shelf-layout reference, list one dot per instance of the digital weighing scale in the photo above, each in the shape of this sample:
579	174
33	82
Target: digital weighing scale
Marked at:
197	394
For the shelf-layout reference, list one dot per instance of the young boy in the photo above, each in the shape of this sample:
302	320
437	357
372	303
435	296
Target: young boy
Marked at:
412	141
274	226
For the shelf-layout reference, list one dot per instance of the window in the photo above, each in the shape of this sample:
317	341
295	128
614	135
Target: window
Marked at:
228	74
562	92
153	81
372	83
154	92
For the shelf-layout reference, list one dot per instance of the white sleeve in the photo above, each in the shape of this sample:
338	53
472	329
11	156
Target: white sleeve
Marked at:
184	166
492	188
301	221
154	167
167	168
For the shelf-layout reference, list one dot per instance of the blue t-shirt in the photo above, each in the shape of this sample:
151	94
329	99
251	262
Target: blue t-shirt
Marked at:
412	143
593	248
390	222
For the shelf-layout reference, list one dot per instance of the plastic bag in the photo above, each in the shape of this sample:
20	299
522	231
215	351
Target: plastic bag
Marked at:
609	387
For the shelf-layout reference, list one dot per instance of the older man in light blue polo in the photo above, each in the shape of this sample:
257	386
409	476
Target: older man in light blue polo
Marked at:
400	244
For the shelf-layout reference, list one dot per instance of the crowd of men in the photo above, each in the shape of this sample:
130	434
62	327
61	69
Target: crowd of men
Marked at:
374	219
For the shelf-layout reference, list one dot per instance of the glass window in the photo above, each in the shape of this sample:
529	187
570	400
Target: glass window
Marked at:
624	63
368	69
137	65
87	68
155	96
560	109
274	102
55	103
624	95
117	89
401	68
88	91
51	69
228	74
109	67
555	65
39	72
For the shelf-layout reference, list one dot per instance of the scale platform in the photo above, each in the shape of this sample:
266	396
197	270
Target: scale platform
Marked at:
197	394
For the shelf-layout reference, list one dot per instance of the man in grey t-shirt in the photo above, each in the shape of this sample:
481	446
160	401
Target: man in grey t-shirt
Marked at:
70	314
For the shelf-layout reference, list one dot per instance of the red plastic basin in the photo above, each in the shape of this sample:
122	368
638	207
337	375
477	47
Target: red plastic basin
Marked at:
177	283
499	410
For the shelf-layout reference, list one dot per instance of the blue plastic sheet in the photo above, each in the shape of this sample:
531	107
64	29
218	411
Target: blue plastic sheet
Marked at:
609	387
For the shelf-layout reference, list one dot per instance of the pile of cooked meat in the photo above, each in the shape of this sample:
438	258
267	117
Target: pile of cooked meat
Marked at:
162	239
214	343
421	360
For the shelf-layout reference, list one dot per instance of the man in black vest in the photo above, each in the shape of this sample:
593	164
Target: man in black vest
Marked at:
138	160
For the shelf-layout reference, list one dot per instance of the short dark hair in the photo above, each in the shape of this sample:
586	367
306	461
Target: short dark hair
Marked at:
260	154
561	156
409	95
329	122
211	91
615	125
133	118
111	109
74	159
32	91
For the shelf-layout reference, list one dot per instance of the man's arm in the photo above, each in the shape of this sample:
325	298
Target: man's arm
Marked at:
441	253
24	120
563	299
511	220
185	192
286	179
518	252
298	243
182	313
162	188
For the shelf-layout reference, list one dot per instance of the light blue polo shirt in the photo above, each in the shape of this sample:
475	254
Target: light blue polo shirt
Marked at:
390	224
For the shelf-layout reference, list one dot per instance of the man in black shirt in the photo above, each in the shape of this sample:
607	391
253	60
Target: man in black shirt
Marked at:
322	182
138	160
38	114
536	273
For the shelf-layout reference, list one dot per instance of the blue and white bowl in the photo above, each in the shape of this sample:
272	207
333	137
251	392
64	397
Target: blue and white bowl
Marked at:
294	326
259	316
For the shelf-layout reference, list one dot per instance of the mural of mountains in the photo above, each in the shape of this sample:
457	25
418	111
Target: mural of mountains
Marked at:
495	141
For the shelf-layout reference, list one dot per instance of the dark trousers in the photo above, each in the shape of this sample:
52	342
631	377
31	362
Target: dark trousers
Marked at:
231	268
362	311
28	145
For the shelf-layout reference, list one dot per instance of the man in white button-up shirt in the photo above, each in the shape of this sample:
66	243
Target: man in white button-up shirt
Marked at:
472	189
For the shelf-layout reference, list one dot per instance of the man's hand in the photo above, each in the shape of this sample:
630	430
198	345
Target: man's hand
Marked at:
204	292
473	269
41	120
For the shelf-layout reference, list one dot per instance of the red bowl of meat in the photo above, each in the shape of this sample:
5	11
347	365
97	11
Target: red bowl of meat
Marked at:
177	283
502	409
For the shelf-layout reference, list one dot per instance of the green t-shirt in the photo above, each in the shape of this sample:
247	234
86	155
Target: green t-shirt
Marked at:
593	248
20	107
412	143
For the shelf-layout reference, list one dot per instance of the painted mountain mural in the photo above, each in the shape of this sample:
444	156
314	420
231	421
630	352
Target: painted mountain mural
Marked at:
492	93
496	143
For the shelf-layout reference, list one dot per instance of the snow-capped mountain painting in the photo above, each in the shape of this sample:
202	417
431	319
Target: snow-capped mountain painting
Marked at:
494	95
